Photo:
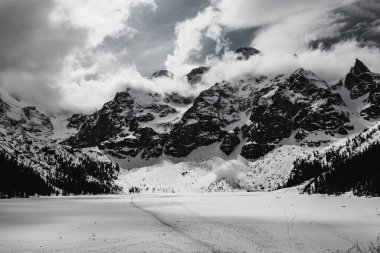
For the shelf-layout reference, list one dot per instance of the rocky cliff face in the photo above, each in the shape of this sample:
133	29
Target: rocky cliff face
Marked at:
195	75
215	112
27	119
161	73
30	139
360	81
175	98
257	113
244	53
300	103
250	118
133	122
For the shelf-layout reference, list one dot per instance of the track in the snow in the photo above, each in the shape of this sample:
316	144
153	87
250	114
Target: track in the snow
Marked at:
203	244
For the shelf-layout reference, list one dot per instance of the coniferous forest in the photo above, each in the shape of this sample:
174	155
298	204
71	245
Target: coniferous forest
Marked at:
340	172
19	180
82	177
85	177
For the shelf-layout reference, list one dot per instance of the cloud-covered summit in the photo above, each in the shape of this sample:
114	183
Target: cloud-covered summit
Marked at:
76	54
324	35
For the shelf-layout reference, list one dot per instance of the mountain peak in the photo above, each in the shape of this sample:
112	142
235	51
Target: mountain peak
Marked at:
300	71
246	52
305	73
359	68
162	73
195	75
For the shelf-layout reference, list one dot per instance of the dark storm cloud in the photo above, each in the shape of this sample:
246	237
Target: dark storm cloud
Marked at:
58	53
91	49
28	40
32	48
155	37
231	41
241	37
359	21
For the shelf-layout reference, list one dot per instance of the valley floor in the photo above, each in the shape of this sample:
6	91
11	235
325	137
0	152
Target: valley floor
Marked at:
281	221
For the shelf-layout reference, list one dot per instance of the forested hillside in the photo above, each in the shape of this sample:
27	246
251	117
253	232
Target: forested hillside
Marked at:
83	177
355	166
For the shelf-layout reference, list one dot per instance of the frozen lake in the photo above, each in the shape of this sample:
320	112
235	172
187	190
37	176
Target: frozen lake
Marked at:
281	221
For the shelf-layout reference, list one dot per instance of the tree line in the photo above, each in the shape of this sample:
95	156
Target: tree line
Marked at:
352	167
68	176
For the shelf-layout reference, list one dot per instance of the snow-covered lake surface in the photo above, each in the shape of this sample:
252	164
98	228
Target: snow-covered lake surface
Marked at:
281	221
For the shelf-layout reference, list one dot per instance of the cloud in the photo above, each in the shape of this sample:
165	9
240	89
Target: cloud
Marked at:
331	65
100	71
297	22
156	32
100	19
245	13
32	50
50	47
76	54
189	35
281	30
102	88
359	21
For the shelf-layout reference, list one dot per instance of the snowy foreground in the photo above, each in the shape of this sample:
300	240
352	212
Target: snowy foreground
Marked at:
282	221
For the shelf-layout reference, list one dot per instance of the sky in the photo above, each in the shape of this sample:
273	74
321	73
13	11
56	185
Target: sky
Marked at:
76	54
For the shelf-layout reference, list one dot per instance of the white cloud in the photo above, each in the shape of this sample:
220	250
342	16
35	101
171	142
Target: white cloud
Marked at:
239	14
99	18
64	61
96	92
94	73
60	59
294	34
285	28
188	39
330	65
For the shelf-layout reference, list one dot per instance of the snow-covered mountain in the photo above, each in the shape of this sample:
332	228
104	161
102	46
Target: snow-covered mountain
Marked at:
30	145
247	134
349	166
238	135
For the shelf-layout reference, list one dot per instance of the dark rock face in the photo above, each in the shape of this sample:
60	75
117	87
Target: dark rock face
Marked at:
244	53
195	75
373	109
4	107
76	120
337	86
204	123
177	99
256	150
257	112
185	138
230	141
301	101
359	68
144	140
161	109
117	127
146	118
27	120
162	73
36	122
361	81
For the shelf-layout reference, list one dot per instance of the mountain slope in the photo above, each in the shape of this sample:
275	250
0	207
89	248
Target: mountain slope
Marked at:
360	81
133	123
351	166
238	135
29	143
